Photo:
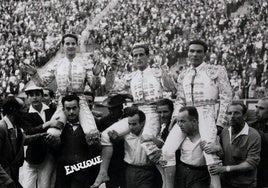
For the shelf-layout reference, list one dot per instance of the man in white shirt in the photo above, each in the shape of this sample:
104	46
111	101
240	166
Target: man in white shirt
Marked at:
140	170
191	170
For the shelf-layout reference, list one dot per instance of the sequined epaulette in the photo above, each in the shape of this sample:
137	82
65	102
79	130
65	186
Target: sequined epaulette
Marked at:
157	72
128	77
213	71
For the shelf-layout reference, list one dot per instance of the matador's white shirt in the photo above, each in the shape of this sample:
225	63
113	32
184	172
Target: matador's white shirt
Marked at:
70	76
205	86
146	86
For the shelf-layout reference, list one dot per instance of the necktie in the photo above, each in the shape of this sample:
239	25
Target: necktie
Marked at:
73	126
192	85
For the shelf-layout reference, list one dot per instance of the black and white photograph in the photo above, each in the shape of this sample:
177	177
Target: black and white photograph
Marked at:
133	94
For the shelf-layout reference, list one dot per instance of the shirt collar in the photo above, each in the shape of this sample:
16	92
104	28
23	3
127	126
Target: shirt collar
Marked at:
73	124
199	67
244	131
73	61
8	122
32	110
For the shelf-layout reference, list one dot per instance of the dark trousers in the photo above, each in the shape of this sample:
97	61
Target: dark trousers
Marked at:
140	176
80	179
227	185
117	177
188	176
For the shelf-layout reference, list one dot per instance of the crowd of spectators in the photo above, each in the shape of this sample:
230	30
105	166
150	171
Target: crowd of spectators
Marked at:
240	42
30	33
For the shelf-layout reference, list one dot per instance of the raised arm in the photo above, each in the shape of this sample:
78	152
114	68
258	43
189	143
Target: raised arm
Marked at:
92	74
47	78
167	81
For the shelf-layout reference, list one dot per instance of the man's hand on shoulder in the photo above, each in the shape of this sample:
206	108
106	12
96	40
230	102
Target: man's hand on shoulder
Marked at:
53	124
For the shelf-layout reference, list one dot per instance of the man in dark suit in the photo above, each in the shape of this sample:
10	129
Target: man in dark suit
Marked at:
39	167
77	162
11	144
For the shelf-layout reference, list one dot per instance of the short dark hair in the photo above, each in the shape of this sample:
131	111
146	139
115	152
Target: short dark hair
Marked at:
141	45
244	107
89	93
50	92
70	98
128	110
140	113
10	106
192	111
71	36
167	102
200	42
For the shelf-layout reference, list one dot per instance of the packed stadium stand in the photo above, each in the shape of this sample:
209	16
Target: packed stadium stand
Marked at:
31	31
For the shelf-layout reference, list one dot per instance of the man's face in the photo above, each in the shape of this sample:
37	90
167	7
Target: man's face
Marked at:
70	46
71	110
187	125
35	98
235	116
134	125
164	113
262	110
196	54
46	99
140	58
